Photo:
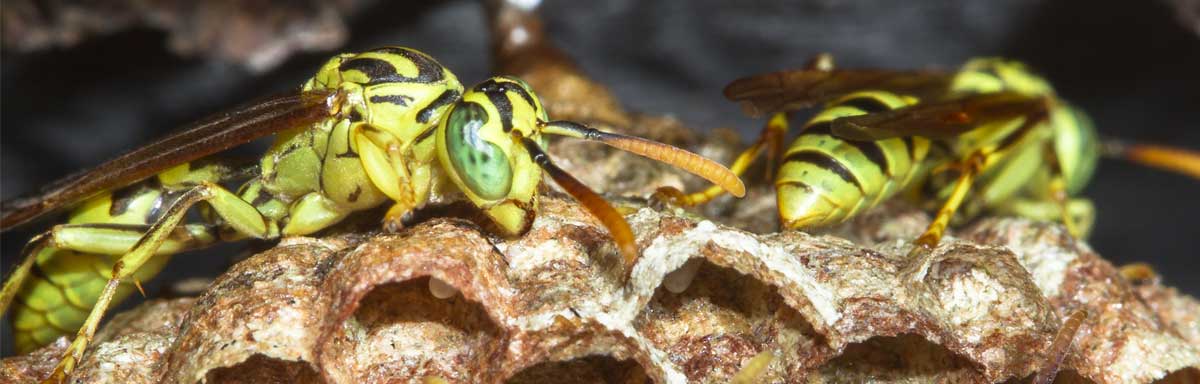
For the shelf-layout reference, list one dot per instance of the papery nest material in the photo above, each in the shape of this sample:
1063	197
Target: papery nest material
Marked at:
359	309
552	305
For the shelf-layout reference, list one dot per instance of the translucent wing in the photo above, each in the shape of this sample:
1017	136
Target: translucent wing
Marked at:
940	120
802	88
206	137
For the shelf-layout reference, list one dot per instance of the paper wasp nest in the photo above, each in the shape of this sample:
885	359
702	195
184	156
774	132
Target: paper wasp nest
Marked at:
551	306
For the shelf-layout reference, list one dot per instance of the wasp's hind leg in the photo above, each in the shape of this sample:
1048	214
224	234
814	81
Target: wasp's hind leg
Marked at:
771	139
237	214
65	269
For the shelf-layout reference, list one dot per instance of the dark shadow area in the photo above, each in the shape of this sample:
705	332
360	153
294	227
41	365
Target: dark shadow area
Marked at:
259	369
589	369
1069	376
411	302
1186	375
900	358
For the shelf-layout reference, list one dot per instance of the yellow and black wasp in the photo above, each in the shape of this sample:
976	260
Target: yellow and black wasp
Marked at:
387	126
992	127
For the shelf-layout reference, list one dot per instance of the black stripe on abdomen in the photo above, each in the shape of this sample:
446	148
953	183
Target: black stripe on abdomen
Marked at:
909	147
869	148
874	152
866	104
825	161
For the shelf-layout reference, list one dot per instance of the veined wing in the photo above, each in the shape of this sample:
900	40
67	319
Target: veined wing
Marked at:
206	137
802	88
943	119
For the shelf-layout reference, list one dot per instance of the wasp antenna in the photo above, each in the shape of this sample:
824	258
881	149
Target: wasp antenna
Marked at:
1181	160
679	158
596	205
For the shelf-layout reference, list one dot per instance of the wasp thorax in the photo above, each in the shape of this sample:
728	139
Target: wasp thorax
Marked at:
395	89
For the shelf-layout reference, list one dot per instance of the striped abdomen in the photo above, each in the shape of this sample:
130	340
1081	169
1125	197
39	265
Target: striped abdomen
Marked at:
63	285
61	290
825	180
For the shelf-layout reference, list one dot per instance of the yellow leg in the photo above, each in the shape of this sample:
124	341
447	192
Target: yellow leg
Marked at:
969	169
70	265
238	214
771	139
385	167
1058	192
1078	218
17	278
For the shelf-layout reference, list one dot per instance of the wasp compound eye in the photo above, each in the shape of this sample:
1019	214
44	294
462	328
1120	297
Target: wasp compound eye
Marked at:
481	165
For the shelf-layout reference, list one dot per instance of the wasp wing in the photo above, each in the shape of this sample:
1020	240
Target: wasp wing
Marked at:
802	88
942	119
206	137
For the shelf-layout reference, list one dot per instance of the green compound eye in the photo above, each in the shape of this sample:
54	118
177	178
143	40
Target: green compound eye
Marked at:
482	166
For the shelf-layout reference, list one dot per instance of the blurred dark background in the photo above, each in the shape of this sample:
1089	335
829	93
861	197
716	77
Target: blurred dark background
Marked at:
72	98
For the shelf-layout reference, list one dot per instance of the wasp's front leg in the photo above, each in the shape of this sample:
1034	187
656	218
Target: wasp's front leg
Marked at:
969	168
385	161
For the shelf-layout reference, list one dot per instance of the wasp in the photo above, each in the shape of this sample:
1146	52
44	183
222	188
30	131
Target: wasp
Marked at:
390	126
992	127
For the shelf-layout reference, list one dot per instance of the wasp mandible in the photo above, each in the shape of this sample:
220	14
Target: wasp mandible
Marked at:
387	126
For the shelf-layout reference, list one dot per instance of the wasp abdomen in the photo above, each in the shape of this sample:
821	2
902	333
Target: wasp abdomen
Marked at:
825	179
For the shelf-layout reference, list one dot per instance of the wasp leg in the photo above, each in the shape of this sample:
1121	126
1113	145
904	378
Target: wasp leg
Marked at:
771	139
16	279
1076	226
237	214
311	213
917	260
1061	345
968	170
1078	217
67	267
387	171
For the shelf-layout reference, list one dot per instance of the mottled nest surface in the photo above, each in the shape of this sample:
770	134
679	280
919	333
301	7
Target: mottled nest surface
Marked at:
553	306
